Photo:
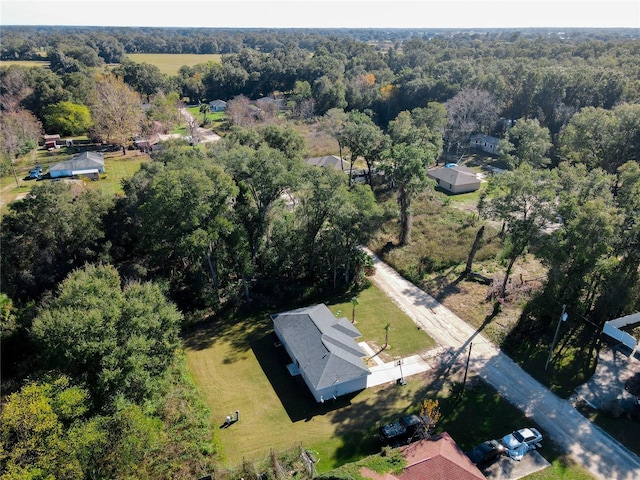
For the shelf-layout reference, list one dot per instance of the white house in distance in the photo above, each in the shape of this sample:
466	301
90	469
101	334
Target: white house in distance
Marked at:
323	351
454	178
88	164
484	142
217	106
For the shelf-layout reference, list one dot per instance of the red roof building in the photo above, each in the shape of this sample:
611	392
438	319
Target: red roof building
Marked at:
434	458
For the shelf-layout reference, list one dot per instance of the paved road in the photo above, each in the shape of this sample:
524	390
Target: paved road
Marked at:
599	453
204	135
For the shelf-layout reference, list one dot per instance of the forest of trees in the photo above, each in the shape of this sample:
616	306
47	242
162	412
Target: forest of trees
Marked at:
96	289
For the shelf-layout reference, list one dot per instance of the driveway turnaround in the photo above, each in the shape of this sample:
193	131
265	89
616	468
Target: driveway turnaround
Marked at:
604	457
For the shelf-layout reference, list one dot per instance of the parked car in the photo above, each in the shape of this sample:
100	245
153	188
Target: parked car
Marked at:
486	453
36	172
406	430
529	436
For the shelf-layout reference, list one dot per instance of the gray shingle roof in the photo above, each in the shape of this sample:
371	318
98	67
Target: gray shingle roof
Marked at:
323	345
82	161
453	176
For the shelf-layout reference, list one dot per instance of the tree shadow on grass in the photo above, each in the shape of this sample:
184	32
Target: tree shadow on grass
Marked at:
574	358
291	390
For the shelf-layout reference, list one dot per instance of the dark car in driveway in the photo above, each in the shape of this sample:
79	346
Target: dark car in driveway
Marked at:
486	453
406	430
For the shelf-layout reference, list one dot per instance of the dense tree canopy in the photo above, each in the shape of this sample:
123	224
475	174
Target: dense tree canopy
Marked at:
68	119
52	231
118	339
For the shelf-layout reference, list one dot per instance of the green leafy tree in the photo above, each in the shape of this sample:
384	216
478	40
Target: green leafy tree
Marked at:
364	139
523	200
328	94
352	224
67	118
286	139
414	149
144	78
581	254
53	230
262	176
602	138
580	251
319	198
526	142
406	167
118	340
36	431
182	215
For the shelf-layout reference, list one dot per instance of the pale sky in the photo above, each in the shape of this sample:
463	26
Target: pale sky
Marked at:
325	13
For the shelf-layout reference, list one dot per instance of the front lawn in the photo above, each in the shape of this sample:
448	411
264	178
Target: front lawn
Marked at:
237	368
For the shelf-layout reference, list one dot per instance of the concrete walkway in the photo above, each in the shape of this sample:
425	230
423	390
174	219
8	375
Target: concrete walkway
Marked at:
398	369
604	457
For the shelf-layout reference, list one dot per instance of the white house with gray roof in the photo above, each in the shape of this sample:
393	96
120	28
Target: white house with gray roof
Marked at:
89	164
484	142
455	178
323	351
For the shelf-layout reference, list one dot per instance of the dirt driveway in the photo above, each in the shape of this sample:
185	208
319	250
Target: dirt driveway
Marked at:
600	454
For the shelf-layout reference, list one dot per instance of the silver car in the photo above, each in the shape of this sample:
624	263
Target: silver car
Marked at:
529	436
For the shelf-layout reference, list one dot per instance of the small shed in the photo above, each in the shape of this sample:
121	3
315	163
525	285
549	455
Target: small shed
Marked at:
146	144
86	164
323	351
485	143
217	105
455	179
51	141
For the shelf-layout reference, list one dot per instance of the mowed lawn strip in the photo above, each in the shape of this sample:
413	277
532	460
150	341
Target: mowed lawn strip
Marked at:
372	314
118	168
237	367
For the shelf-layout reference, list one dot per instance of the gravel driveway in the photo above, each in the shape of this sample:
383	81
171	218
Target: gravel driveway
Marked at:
600	454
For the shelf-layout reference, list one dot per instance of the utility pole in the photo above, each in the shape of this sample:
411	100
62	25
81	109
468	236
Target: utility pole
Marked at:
562	318
14	173
466	369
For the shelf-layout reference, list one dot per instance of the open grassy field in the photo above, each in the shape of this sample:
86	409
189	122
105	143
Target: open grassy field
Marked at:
237	367
25	63
170	63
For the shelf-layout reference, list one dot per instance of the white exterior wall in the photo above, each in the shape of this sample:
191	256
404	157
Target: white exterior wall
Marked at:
339	389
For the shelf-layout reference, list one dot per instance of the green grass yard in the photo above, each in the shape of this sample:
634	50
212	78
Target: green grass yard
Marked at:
117	168
237	367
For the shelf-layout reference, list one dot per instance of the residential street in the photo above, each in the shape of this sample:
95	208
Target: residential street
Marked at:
603	456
